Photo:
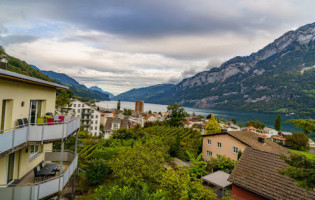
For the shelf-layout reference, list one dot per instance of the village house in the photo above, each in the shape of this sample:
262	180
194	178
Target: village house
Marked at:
28	128
256	177
113	124
229	144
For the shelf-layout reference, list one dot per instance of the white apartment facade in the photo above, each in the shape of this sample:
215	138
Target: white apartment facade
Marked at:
90	117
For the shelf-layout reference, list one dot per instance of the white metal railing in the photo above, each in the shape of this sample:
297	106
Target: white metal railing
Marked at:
37	133
39	190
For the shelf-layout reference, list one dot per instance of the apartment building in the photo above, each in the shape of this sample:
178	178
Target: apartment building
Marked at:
26	140
90	117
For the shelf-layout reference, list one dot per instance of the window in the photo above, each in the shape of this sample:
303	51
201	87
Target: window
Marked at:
95	127
79	110
91	122
95	121
96	116
209	142
219	144
92	111
92	116
209	153
79	105
34	149
235	150
91	128
74	105
82	105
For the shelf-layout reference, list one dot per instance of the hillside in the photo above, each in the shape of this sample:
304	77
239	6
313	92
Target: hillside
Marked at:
147	94
77	88
278	78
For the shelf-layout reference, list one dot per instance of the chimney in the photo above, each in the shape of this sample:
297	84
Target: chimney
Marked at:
261	140
3	61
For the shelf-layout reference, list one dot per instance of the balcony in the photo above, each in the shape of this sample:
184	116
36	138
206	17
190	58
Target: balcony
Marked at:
16	138
30	190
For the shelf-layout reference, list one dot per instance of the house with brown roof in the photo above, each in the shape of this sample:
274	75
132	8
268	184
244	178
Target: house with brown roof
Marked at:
230	143
256	177
113	124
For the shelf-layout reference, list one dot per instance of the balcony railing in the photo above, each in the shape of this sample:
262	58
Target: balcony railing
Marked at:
46	188
15	137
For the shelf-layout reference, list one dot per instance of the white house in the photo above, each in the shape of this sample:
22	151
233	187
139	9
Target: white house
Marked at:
311	142
90	117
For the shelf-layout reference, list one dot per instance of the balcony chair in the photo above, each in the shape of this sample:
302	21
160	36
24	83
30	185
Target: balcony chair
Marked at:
35	173
20	123
40	120
61	119
50	121
25	121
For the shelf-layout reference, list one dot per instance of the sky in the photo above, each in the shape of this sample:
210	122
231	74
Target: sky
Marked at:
123	44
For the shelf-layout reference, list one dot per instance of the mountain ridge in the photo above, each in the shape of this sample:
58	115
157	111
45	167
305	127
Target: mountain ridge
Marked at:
269	80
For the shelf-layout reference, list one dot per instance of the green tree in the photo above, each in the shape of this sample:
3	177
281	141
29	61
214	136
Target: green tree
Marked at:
298	141
96	171
213	126
177	115
300	169
118	105
278	122
222	163
63	100
150	112
178	184
256	124
198	166
233	120
308	126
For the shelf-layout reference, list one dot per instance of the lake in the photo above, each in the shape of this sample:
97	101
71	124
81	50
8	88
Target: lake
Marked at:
241	117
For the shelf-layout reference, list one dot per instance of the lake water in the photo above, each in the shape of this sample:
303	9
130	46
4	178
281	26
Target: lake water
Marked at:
241	117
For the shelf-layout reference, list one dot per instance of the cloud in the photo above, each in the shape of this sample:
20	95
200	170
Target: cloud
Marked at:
119	44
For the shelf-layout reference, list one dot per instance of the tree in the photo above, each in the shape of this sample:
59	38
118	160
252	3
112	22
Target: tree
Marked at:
298	141
233	120
96	171
63	99
222	163
198	166
213	126
278	122
256	124
300	169
118	105
308	126
178	184
177	115
150	112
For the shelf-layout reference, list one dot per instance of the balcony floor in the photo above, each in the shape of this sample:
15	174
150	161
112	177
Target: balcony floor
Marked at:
29	178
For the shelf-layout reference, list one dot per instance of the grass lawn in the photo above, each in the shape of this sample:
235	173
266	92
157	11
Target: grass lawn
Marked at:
308	154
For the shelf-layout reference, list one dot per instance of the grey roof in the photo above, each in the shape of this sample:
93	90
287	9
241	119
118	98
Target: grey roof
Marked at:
218	178
25	78
123	123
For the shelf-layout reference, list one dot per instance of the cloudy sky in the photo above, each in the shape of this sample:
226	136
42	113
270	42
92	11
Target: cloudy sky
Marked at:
123	44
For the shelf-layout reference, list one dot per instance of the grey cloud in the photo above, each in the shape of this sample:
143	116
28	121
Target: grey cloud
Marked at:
16	39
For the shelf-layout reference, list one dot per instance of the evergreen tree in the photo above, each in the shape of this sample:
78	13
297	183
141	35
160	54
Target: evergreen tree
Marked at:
278	122
118	105
213	126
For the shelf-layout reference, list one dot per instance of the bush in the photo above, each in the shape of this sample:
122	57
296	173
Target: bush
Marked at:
96	171
298	141
222	163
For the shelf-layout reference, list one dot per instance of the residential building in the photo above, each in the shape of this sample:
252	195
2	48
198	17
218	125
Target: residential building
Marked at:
270	131
26	140
113	124
139	106
278	139
90	117
134	121
256	177
311	142
230	143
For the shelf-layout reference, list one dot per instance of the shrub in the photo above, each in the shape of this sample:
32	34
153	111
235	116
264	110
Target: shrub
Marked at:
96	171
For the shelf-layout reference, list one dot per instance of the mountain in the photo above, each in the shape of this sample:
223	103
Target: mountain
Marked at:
278	78
100	90
147	94
77	88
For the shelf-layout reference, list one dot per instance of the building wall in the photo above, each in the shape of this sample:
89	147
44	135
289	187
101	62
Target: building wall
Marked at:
22	162
227	142
18	92
139	106
240	193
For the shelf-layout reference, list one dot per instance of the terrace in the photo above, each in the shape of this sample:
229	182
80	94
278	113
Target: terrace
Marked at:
18	137
28	188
